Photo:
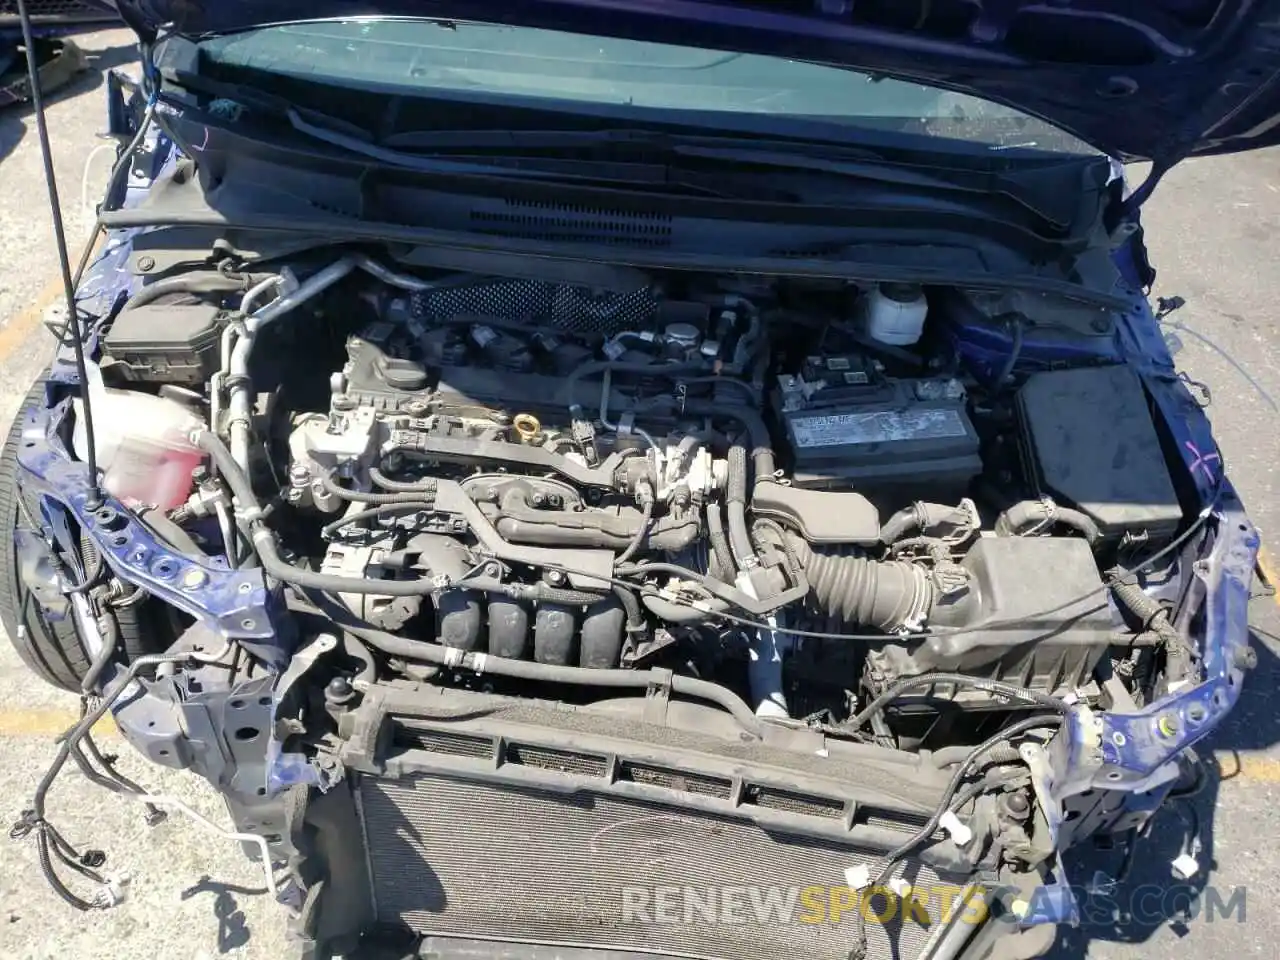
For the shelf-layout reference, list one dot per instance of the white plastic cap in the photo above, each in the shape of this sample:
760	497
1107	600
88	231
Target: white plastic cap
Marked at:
956	829
1185	866
857	878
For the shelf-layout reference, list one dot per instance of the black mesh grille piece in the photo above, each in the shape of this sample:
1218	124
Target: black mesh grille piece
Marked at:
528	865
562	761
441	741
59	9
792	802
567	307
679	781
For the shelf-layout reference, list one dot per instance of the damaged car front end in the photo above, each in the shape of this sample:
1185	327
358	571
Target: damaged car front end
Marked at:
586	484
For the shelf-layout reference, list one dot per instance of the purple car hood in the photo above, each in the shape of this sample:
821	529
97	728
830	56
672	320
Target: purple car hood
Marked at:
1139	79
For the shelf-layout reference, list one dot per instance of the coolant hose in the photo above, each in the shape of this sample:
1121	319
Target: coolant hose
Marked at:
635	619
537	592
188	283
424	651
1028	513
885	594
249	510
722	559
744	553
757	432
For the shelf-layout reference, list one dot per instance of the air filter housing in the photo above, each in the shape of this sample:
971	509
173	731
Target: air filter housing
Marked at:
1090	443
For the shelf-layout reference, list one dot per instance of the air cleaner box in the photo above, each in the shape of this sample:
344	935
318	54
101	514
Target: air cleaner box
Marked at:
1090	443
852	429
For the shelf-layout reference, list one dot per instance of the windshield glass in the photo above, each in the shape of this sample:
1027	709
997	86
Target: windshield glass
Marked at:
632	78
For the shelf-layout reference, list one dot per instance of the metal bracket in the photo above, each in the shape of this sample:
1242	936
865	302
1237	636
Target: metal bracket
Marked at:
657	697
233	602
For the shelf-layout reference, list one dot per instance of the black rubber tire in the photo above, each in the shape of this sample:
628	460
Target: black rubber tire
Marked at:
53	649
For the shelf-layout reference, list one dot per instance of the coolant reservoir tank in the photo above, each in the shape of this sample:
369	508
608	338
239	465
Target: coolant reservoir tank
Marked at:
143	443
894	313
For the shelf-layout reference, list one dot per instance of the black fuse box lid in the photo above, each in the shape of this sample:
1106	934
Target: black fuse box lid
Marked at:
165	342
1092	445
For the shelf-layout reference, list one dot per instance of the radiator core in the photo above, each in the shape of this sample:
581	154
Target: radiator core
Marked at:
460	857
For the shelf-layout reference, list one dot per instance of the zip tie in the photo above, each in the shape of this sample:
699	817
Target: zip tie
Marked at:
478	662
900	886
956	829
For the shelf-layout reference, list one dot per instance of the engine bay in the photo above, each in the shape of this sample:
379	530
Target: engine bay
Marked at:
816	495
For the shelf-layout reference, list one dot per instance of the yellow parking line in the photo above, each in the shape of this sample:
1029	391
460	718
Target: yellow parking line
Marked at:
21	326
47	723
1269	569
1249	766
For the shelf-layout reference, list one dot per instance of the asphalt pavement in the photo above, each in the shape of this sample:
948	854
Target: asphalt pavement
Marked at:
1212	229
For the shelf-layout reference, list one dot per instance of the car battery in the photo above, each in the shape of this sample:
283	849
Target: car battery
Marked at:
850	427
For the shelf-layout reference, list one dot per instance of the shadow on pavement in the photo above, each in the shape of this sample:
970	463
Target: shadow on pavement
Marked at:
1151	897
233	930
15	118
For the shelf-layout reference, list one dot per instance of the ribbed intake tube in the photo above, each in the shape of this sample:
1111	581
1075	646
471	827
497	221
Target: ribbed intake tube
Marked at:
885	594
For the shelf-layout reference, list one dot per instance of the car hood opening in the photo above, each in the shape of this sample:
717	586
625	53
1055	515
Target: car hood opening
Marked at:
1156	81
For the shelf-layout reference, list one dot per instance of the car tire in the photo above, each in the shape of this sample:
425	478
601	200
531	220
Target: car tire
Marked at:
54	649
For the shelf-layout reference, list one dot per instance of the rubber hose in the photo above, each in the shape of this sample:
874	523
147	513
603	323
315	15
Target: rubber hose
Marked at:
721	556
1149	612
536	592
885	594
1013	520
638	538
422	650
921	515
635	619
231	473
276	566
757	432
672	537
424	488
188	283
109	629
357	496
744	554
167	530
1008	691
356	650
673	612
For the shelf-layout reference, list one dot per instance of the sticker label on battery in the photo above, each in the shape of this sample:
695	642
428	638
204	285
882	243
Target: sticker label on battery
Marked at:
882	426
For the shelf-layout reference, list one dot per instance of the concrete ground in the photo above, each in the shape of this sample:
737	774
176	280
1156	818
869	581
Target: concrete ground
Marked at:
1212	228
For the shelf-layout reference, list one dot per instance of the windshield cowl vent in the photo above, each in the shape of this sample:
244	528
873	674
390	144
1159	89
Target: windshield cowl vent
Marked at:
535	220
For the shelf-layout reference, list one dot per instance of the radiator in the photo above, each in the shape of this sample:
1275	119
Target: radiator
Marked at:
452	857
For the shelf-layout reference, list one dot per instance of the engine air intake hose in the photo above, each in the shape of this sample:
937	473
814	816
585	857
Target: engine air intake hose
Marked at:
885	594
1030	513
